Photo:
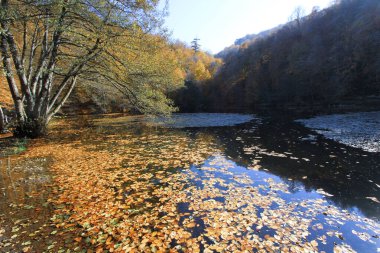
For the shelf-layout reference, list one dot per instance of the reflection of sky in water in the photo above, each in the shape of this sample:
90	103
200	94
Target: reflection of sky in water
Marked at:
255	162
338	225
281	148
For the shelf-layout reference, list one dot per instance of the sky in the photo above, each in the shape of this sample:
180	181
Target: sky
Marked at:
218	23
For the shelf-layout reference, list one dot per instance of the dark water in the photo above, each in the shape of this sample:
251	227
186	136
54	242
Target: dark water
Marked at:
277	175
349	174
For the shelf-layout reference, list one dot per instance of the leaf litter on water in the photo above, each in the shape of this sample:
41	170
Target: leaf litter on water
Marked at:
155	193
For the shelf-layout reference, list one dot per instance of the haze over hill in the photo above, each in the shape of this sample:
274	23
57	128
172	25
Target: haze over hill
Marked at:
249	38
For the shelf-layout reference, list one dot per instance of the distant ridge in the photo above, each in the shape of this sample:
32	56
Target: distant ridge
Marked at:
253	37
249	38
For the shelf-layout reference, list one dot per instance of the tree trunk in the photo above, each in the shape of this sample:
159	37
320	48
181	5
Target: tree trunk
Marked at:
31	128
36	125
2	121
19	106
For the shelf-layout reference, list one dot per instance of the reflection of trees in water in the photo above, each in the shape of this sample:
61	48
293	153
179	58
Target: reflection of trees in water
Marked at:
144	164
278	136
341	171
20	177
294	186
22	192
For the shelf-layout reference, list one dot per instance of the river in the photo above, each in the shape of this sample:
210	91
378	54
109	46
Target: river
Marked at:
200	182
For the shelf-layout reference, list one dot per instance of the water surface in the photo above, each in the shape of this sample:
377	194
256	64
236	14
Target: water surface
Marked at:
359	130
266	184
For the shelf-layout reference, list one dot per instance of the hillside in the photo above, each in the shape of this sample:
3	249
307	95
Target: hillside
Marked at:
248	39
328	58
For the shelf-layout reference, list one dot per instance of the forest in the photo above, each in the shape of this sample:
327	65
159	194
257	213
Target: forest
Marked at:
328	58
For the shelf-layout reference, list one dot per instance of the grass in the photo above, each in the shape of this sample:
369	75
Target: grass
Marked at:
11	146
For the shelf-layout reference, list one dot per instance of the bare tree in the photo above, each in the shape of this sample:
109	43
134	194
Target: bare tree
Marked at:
297	15
46	46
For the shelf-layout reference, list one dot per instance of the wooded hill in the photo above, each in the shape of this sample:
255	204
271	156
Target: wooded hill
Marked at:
328	58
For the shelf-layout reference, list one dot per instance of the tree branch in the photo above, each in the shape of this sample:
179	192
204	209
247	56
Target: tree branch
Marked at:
10	79
16	59
52	112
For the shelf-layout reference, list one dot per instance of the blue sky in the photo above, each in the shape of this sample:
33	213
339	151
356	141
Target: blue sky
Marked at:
217	23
